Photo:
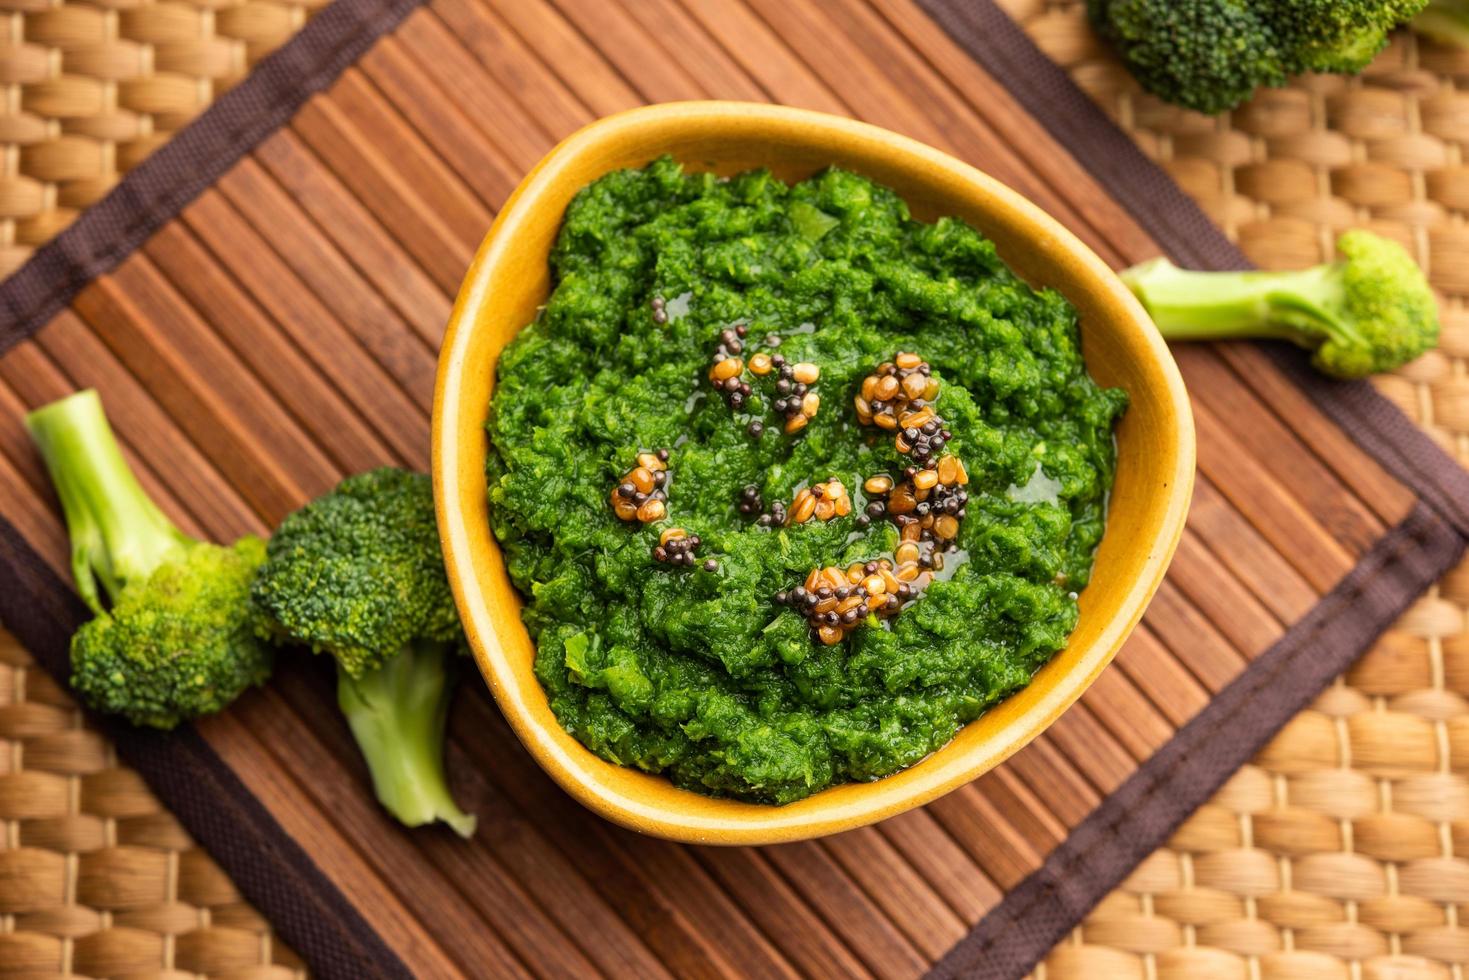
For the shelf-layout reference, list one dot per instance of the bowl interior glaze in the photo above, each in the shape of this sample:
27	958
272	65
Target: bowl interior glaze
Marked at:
508	281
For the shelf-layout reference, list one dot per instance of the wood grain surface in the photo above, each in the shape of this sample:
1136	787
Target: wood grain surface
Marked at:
281	333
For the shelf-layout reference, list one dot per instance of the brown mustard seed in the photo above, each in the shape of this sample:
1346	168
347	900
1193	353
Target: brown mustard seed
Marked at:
642	492
676	549
913	420
927	505
881	483
822	501
835	602
802	508
898	388
642	478
793	398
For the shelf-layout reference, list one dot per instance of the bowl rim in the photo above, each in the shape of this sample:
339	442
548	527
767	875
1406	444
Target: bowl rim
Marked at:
573	767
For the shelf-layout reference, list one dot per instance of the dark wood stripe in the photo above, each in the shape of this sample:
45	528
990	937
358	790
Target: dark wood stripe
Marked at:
271	869
155	191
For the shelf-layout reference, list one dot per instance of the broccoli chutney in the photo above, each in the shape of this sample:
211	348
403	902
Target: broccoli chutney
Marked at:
794	485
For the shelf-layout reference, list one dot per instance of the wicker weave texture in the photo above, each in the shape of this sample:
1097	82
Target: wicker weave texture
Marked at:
90	89
1343	851
96	878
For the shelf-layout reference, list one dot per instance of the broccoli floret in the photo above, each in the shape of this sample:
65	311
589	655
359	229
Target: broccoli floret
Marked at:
358	574
1210	55
174	635
1446	21
1341	36
1370	311
1207	55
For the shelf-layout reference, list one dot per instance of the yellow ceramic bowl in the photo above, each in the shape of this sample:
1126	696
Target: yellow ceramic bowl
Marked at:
510	278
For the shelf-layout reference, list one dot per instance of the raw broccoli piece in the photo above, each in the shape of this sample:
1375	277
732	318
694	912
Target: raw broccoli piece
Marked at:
1207	55
1340	36
1210	55
1446	21
1369	311
175	632
358	574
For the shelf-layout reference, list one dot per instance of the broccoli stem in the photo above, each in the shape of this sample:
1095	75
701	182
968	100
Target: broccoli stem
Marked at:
1290	305
117	533
397	714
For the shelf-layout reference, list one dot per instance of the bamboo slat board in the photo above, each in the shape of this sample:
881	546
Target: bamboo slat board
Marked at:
280	332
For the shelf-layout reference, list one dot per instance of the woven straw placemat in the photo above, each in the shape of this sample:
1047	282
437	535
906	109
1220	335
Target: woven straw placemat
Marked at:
88	90
96	878
1341	852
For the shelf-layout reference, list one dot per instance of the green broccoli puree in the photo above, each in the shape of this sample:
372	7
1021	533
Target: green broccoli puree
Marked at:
699	674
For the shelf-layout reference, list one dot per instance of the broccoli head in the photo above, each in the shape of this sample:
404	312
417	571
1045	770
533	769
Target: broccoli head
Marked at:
358	574
1207	55
1369	311
174	635
1210	55
1341	36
